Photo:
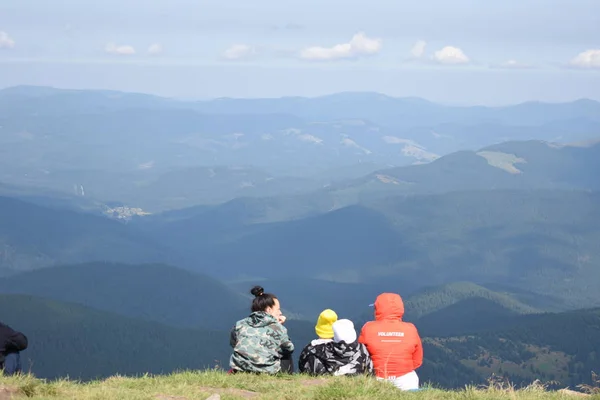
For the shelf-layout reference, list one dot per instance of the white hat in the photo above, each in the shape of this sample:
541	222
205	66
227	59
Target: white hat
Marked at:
343	331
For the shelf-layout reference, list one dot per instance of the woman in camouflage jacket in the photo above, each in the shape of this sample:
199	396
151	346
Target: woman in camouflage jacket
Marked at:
260	341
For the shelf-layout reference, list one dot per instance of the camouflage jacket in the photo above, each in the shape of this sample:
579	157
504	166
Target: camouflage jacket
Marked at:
335	359
258	342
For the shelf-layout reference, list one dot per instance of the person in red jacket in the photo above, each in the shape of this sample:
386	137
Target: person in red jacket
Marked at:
394	345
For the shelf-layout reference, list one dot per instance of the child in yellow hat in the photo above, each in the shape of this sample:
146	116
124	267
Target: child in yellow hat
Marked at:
309	362
324	327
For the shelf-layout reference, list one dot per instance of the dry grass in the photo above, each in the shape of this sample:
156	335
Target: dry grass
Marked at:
201	385
593	388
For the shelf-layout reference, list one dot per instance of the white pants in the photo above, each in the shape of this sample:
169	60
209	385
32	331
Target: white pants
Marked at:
408	381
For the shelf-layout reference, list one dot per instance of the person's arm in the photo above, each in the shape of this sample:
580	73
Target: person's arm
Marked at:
303	361
287	347
363	336
233	337
418	352
309	363
369	370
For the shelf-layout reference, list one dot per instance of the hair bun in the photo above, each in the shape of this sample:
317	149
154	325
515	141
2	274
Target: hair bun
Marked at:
257	291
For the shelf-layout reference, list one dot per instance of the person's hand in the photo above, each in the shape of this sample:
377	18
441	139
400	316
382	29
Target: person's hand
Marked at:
281	319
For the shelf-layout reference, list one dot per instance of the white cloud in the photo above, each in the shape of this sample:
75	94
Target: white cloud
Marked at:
359	45
6	42
238	52
155	49
418	49
122	50
450	55
587	59
513	64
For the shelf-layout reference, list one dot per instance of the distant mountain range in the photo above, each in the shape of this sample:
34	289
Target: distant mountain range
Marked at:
512	165
133	226
525	165
462	217
155	153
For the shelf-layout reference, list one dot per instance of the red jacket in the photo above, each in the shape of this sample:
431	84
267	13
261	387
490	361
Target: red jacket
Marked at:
394	345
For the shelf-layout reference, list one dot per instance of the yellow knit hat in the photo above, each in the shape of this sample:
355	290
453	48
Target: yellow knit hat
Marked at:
324	327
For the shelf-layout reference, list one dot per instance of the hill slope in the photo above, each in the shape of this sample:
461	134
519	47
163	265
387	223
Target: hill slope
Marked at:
71	340
511	165
551	347
158	293
200	386
434	299
540	241
32	237
527	165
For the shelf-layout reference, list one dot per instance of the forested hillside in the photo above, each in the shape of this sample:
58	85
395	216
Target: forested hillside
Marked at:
152	292
80	342
68	339
523	165
550	347
435	299
33	236
540	241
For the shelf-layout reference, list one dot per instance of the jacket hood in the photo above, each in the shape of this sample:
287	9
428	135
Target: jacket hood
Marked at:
389	306
343	331
260	319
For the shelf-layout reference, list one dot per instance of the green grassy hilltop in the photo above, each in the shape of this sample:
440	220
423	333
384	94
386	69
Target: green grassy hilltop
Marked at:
203	385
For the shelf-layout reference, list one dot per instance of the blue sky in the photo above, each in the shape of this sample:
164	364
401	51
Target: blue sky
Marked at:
451	51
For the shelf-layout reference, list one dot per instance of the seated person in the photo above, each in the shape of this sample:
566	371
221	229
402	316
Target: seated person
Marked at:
309	362
341	356
394	345
11	344
348	356
260	341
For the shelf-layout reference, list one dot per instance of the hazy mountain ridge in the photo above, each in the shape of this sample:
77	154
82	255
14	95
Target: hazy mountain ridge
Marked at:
522	165
123	147
381	235
159	293
32	236
483	236
434	299
508	166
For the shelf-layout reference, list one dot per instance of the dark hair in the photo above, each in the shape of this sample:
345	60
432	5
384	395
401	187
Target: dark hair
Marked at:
262	300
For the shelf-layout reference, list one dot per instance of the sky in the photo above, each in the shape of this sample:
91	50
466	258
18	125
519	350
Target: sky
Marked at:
488	52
